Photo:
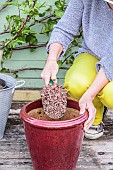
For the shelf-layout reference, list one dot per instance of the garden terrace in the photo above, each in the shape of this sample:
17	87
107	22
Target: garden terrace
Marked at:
14	154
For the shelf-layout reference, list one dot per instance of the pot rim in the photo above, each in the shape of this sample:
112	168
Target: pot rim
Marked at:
52	124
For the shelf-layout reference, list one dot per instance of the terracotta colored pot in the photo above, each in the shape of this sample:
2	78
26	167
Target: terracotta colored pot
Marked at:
53	145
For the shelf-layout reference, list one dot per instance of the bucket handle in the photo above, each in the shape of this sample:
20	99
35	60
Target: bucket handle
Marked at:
20	83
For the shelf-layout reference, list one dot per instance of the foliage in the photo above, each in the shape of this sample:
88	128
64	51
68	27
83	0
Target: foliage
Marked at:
21	27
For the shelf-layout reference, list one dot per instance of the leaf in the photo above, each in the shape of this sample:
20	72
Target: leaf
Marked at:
3	70
31	39
42	5
59	4
58	13
5	27
19	41
59	63
32	49
15	3
29	31
49	9
8	18
75	43
7	53
41	14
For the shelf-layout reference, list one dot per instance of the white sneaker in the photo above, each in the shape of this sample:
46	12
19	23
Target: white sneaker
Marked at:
95	132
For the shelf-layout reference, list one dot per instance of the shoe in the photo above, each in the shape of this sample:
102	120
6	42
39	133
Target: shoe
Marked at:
95	132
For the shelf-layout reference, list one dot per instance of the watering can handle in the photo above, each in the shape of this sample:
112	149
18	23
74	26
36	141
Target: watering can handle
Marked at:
20	83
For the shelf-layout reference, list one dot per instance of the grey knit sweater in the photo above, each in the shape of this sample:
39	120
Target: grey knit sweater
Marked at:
96	19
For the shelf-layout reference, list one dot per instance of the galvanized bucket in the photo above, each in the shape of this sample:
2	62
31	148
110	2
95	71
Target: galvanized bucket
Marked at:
6	95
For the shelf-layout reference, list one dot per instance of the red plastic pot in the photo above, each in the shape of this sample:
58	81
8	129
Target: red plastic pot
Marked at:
53	145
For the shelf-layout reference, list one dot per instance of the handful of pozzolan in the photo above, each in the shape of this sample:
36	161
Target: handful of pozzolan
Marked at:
54	100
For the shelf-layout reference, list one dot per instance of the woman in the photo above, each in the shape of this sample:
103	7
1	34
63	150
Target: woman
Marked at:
89	80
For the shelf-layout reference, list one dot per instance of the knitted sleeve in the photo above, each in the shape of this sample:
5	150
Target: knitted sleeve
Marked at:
68	26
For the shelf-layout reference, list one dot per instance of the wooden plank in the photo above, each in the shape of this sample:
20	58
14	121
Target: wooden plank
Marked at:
33	83
30	95
26	95
19	64
41	38
37	83
37	54
37	74
24	64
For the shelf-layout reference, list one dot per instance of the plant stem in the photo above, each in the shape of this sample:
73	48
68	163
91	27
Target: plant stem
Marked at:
22	26
6	31
42	19
5	5
17	34
28	68
32	24
68	57
30	46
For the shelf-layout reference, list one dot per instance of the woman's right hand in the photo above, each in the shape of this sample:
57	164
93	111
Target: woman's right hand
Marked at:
50	71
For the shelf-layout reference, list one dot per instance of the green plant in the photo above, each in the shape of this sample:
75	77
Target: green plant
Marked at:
22	33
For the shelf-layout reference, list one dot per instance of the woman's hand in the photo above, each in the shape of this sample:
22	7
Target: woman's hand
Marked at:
87	98
50	71
85	103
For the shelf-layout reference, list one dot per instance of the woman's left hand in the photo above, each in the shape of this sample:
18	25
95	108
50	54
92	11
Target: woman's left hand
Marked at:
85	103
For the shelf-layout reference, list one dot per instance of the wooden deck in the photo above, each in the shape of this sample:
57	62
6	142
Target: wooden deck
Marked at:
14	155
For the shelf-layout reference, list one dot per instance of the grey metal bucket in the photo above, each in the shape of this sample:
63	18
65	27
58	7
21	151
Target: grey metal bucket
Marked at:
6	96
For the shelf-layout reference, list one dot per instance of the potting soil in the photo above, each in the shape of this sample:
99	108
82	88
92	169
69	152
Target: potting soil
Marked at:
40	114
